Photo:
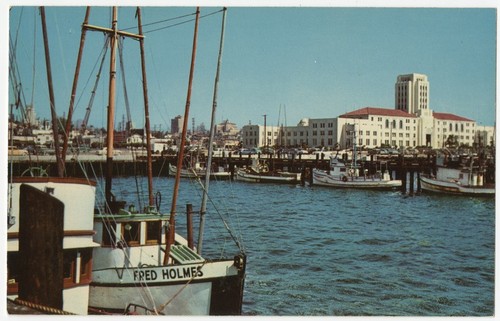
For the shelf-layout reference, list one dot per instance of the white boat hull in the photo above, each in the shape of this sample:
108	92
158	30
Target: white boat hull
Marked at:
322	178
438	186
287	178
173	290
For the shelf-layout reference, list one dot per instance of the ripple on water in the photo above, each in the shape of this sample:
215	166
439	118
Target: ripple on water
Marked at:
374	257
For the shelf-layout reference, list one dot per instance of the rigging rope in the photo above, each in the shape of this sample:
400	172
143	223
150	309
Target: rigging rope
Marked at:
183	22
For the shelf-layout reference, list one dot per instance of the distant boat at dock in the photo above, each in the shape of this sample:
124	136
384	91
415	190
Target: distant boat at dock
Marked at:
199	172
457	176
259	172
344	176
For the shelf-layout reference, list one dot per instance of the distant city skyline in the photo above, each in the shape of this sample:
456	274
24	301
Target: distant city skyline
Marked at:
287	63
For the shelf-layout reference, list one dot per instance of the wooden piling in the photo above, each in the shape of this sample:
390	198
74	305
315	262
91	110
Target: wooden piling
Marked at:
412	181
189	217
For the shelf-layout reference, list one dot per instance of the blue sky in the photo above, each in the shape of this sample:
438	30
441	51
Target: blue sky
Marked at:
317	61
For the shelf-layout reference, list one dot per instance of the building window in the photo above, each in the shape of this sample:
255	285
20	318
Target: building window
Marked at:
367	133
387	123
400	124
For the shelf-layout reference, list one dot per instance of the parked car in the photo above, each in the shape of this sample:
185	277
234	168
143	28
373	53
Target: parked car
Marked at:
249	151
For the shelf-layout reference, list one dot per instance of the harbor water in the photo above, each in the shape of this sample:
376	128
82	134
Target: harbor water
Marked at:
320	251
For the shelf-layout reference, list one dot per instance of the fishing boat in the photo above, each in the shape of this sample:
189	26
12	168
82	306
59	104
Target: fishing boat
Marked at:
143	266
346	176
198	171
49	232
350	175
50	242
259	172
458	176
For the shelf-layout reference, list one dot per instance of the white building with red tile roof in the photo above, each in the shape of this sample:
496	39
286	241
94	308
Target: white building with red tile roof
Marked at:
410	124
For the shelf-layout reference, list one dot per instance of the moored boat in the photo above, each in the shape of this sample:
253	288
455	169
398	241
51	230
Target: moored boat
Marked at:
199	172
344	176
70	255
259	172
457	176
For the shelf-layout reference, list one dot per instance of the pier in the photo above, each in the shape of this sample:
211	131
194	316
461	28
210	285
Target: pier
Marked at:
405	167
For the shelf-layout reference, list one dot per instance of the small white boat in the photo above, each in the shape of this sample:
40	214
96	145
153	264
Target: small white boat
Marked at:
199	172
259	173
462	178
341	175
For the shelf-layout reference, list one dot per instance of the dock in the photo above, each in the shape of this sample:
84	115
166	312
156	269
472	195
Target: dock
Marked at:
126	164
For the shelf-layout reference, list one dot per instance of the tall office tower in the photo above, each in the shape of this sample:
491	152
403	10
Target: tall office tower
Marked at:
412	93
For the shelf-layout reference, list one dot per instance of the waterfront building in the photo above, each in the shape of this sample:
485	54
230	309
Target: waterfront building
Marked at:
176	124
255	135
410	124
412	93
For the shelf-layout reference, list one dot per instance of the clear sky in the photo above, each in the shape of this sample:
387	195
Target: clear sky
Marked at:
315	62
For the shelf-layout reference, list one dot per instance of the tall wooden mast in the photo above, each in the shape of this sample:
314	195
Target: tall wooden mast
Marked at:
55	127
73	90
211	138
180	154
146	110
111	106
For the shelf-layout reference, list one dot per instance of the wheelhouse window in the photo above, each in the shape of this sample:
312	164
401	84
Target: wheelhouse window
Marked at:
109	234
153	232
131	233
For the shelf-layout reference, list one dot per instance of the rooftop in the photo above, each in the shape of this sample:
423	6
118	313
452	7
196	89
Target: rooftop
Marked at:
377	111
447	116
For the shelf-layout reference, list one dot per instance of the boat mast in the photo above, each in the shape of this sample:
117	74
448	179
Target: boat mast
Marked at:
211	138
113	34
111	106
180	155
146	110
73	90
55	127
